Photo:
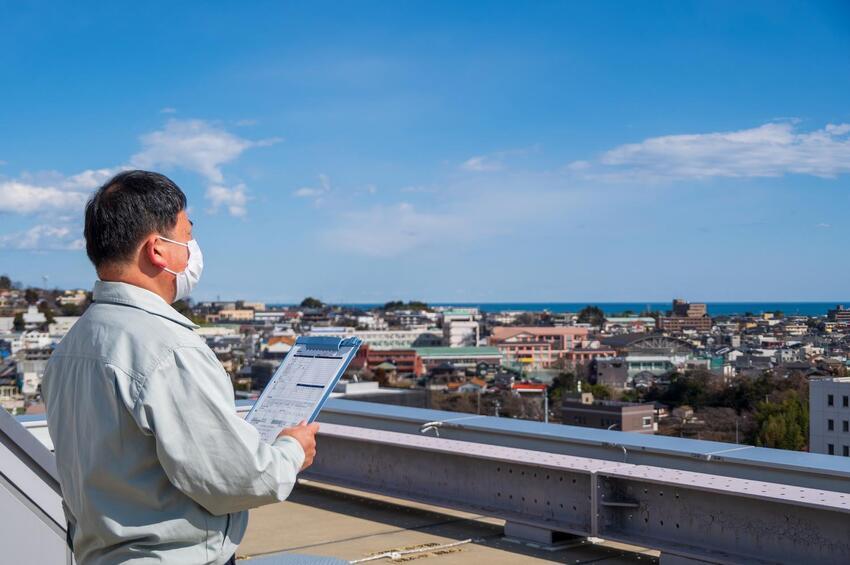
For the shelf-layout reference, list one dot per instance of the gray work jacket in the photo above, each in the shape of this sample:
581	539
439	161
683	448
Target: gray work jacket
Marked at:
154	463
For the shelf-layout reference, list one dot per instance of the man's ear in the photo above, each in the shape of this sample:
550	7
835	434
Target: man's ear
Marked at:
151	249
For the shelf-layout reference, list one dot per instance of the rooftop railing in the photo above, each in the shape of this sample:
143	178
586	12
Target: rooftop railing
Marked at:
693	500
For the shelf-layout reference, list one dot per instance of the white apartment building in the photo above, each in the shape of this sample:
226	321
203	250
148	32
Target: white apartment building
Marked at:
829	416
461	328
386	339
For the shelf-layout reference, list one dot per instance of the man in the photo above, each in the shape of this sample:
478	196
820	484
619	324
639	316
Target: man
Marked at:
154	464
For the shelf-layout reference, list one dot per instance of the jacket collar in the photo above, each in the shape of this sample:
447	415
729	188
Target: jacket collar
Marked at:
138	297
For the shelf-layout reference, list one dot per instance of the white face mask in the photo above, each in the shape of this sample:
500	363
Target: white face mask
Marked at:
189	277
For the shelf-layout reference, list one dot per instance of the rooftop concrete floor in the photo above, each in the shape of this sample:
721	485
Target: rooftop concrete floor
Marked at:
321	519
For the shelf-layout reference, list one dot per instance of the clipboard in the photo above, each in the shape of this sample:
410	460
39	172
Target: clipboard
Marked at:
302	383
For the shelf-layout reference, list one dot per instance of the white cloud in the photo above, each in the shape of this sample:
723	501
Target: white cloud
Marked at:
481	164
770	150
195	145
90	179
315	192
204	148
415	189
26	198
233	199
43	237
168	110
307	192
823	225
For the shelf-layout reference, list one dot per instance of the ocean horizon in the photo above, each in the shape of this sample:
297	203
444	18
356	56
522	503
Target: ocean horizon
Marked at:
714	308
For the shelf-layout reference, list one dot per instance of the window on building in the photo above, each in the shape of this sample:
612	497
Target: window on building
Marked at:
845	426
647	421
830	400
845	401
845	451
830	425
830	449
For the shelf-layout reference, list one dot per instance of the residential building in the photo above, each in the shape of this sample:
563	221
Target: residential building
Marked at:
461	327
387	339
612	371
829	416
583	410
235	315
410	318
630	324
407	362
686	316
459	357
33	319
30	367
62	325
72	297
839	314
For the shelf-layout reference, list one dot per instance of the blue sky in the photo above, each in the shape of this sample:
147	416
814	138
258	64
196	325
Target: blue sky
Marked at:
445	151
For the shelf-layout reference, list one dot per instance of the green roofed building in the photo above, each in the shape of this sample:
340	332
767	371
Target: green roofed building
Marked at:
460	357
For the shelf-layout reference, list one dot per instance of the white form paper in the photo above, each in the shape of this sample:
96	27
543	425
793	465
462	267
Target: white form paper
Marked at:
301	384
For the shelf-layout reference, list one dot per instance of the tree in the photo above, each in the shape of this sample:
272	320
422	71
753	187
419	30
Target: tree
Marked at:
782	425
18	322
45	309
311	302
31	295
415	305
5	282
592	315
599	391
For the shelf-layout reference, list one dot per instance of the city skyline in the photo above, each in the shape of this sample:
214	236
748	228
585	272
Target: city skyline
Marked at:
366	153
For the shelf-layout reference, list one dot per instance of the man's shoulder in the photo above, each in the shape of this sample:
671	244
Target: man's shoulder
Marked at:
128	337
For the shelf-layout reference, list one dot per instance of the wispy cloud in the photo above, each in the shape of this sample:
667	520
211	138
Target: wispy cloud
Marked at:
168	110
770	150
317	193
502	206
482	164
44	237
493	162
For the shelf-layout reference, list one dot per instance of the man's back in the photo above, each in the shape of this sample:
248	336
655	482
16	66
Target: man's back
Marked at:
142	418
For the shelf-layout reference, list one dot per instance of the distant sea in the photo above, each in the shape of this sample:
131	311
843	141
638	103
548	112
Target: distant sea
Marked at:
714	308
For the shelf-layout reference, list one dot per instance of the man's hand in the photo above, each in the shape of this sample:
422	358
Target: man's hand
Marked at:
305	434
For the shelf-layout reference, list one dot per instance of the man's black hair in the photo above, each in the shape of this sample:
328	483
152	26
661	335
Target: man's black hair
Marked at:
128	208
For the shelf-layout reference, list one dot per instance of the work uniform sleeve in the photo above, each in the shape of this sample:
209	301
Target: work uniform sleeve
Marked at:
208	451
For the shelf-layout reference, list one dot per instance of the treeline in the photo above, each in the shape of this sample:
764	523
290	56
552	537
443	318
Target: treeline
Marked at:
778	406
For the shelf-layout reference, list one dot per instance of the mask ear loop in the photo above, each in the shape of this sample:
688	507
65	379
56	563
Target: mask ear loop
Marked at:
186	245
